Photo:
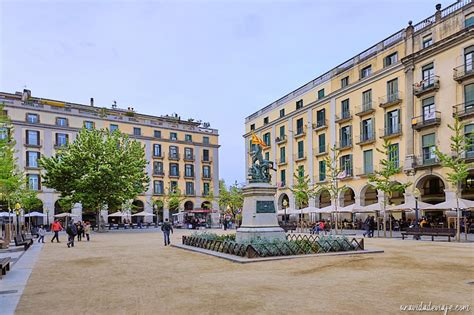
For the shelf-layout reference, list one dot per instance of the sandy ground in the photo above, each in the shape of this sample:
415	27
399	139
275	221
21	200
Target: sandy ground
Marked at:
133	273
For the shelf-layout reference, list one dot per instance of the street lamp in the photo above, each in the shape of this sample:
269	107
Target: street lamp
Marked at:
17	212
47	219
416	194
285	205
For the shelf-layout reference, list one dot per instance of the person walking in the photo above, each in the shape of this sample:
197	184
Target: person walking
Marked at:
56	227
41	234
225	223
80	230
87	230
166	228
367	226
371	226
71	231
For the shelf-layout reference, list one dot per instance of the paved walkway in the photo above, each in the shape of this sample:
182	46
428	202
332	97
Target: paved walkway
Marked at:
13	284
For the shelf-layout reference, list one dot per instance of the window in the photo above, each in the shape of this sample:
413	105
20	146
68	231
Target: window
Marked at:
282	132
32	158
173	136
322	143
174	169
428	148
392	90
4	133
89	125
205	140
365	72
113	127
368	162
283	178
301	171
366	100
345	136
427	75
189	170
282	112
32	137
32	118
189	188
469	21
158	168
344	82
390	59
322	171
62	122
392	122
265	120
282	155
346	165
157	150
367	129
137	131
266	139
205	155
188	154
469	134
206	171
33	182
427	41
393	154
429	110
188	138
320	94
158	187
299	126
345	109
267	156
468	57
173	186
174	153
299	104
252	127
205	191
300	149
469	97
61	139
321	118
157	134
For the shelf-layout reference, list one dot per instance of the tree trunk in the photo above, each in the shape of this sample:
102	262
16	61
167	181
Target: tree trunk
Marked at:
100	223
384	220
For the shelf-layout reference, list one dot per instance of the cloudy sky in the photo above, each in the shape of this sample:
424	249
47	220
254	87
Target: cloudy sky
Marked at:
218	61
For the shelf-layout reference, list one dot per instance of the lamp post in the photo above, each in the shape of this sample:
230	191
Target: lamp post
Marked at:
17	212
416	194
285	205
47	219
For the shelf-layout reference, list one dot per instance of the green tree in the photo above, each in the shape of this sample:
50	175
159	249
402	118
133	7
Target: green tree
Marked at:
97	169
456	162
174	198
382	180
230	198
29	200
302	191
334	173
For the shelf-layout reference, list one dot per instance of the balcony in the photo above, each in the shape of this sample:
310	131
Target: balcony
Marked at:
463	72
158	173
364	109
345	116
299	157
281	139
300	132
207	160
190	194
189	176
425	121
320	125
469	154
367	138
362	172
464	110
390	100
430	84
345	144
160	155
206	177
174	175
281	161
391	131
188	158
425	161
173	156
321	150
38	144
60	146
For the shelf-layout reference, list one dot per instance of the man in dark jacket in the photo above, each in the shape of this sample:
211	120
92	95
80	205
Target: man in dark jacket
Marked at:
166	228
71	231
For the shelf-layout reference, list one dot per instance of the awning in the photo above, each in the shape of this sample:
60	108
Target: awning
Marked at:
452	204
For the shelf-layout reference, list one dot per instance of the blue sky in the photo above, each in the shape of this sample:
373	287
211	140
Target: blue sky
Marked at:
218	61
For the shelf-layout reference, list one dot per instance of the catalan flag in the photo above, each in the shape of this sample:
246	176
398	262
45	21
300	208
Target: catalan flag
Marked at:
257	140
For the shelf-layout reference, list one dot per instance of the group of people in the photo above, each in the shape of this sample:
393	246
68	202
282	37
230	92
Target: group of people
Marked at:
73	229
369	225
320	227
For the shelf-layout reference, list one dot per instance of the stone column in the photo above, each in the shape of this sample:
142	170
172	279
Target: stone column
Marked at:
290	157
77	210
408	100
310	146
148	207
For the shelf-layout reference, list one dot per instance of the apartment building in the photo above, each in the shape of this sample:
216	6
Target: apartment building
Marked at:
406	88
181	153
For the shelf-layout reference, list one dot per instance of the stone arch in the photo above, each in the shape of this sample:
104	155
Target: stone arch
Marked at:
206	205
324	198
281	200
467	191
432	188
397	197
347	197
188	205
368	195
57	208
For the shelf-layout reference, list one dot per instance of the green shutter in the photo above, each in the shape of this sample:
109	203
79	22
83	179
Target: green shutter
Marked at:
368	161
469	93
428	140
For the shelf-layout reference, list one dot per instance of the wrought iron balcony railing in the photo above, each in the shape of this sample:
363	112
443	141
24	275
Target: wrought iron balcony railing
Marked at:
463	72
391	131
426	85
464	110
426	120
390	99
364	109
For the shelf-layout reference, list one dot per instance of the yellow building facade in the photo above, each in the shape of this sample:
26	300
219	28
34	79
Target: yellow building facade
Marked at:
406	88
181	153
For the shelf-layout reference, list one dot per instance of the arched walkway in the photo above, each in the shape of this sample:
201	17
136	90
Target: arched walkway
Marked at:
432	191
348	197
397	197
324	198
468	187
188	205
137	206
283	201
368	195
206	205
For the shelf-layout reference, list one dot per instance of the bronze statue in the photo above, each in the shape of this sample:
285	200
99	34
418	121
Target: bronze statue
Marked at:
259	171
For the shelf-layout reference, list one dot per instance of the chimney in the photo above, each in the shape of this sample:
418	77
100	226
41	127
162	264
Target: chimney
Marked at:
26	95
92	101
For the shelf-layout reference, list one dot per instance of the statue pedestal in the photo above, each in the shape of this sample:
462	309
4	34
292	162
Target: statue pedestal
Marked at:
259	215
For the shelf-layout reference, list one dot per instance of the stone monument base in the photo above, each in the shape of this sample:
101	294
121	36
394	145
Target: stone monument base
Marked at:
245	235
